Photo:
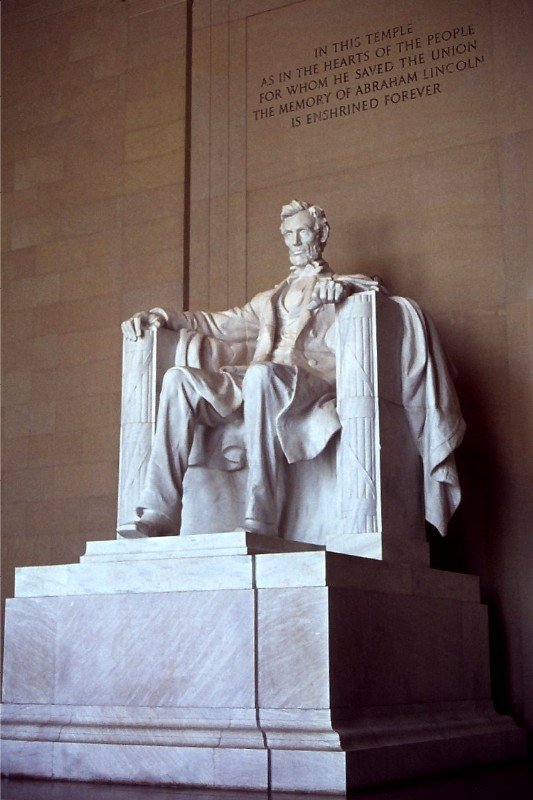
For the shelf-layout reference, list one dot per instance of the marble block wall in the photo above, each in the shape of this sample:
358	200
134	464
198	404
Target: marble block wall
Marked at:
93	180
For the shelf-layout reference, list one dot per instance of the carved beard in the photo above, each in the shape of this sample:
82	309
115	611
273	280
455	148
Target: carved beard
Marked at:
309	253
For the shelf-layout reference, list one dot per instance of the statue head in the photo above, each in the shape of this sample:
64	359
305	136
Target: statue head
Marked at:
305	230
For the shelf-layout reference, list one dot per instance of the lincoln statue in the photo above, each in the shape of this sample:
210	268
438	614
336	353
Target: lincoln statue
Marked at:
284	386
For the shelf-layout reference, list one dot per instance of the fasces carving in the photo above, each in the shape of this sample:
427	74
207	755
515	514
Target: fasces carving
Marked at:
137	422
143	367
358	459
277	387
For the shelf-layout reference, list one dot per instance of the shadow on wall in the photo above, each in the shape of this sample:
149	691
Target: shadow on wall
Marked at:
368	244
476	531
374	248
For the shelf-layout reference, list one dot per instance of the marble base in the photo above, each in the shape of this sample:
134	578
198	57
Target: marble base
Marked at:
260	769
209	661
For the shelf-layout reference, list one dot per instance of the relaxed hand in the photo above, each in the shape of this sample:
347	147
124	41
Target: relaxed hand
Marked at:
134	327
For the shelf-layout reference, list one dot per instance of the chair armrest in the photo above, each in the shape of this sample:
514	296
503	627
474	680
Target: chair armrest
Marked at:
144	363
357	406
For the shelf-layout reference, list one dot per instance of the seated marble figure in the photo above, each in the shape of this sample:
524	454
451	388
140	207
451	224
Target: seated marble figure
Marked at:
282	384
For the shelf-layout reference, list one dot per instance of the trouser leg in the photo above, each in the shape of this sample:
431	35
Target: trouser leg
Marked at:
267	389
181	409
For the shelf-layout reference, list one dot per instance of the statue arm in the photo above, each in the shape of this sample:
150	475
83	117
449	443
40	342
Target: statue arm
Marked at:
235	326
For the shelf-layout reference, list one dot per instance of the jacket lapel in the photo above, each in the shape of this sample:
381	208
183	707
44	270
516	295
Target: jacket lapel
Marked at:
267	326
306	314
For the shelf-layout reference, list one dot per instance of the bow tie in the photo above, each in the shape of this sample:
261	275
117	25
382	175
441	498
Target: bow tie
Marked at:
313	268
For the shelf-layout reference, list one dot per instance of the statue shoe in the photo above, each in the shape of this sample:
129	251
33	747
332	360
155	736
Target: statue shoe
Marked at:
154	523
261	528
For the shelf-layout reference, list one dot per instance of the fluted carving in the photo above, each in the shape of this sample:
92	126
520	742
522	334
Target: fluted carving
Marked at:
143	365
357	405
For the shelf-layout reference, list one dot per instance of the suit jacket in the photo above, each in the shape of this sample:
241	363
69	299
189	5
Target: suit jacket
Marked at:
250	331
242	336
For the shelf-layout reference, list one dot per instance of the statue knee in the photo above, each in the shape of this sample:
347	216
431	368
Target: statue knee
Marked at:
175	380
258	377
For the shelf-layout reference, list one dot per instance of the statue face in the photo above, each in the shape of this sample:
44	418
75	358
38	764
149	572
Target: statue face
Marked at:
301	238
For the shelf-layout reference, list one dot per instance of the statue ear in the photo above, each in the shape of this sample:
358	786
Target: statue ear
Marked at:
325	233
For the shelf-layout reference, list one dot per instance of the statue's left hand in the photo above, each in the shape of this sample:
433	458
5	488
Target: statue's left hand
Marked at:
328	291
134	327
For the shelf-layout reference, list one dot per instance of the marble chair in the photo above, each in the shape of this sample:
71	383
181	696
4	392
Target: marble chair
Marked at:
362	495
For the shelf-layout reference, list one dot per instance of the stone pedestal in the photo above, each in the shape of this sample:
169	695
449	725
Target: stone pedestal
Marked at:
237	661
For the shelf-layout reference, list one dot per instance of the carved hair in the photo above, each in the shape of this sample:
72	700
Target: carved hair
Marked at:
321	223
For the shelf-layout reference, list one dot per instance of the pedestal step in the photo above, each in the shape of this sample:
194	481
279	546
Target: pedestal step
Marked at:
210	545
222	561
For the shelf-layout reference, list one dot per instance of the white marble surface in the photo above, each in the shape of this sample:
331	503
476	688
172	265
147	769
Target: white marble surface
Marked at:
28	758
164	564
358	463
29	650
392	545
211	544
309	771
170	649
175	765
149	649
188	727
335	569
283	770
338	666
135	576
293	652
385	725
280	728
181	766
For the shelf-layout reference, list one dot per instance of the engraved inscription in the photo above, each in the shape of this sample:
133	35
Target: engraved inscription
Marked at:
376	69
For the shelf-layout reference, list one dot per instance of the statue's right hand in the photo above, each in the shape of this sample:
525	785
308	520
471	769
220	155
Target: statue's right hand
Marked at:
134	327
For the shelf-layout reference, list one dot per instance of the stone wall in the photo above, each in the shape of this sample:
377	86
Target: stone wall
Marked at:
93	148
